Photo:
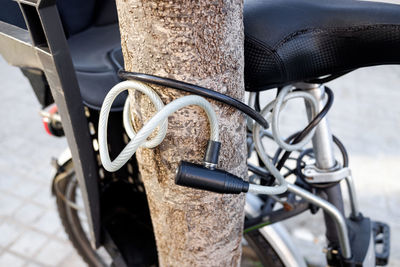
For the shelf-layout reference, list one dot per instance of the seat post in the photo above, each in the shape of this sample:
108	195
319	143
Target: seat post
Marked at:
322	140
325	160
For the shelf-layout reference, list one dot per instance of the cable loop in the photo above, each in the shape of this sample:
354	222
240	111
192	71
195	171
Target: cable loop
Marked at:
160	121
158	104
160	118
276	106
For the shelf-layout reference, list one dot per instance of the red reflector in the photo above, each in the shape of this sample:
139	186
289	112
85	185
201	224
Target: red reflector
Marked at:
46	126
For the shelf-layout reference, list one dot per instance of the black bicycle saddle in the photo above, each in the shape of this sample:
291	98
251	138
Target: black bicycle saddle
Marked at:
298	40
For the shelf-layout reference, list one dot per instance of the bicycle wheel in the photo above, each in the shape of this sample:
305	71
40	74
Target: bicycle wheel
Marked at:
257	251
72	217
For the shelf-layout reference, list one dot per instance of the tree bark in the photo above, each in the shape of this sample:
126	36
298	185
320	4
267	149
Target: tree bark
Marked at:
199	42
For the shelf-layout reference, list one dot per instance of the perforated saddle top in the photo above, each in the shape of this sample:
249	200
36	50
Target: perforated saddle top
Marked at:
298	40
285	41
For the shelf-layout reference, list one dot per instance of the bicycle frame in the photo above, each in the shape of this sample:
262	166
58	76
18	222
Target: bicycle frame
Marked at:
337	230
44	47
325	160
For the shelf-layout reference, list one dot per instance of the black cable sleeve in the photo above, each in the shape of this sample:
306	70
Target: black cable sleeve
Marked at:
309	127
343	151
260	172
257	105
195	89
212	152
279	150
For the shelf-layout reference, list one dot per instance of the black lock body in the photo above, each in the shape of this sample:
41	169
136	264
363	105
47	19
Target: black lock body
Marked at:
214	180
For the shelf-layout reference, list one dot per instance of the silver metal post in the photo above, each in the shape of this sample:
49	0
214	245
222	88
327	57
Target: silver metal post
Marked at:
323	144
322	140
336	229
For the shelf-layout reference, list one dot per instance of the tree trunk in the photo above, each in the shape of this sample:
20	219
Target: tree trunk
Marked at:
199	42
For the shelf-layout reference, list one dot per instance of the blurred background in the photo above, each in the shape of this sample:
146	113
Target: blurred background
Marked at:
365	116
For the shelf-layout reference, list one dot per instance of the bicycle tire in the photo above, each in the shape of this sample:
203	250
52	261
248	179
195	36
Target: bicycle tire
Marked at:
266	255
70	219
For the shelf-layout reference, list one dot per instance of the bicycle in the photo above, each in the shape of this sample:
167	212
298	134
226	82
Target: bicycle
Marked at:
316	184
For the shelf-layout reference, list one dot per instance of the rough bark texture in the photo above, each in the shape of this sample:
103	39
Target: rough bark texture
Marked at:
199	42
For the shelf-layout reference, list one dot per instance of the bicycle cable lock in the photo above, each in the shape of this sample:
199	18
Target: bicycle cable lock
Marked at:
205	177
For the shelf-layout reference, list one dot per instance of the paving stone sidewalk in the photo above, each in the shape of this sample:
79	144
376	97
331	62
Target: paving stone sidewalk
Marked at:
30	230
365	115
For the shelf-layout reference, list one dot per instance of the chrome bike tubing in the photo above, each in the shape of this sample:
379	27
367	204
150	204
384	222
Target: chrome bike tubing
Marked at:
322	142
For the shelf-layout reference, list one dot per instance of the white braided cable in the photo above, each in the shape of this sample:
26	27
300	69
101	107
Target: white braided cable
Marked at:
280	180
126	119
251	103
276	106
158	119
154	98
